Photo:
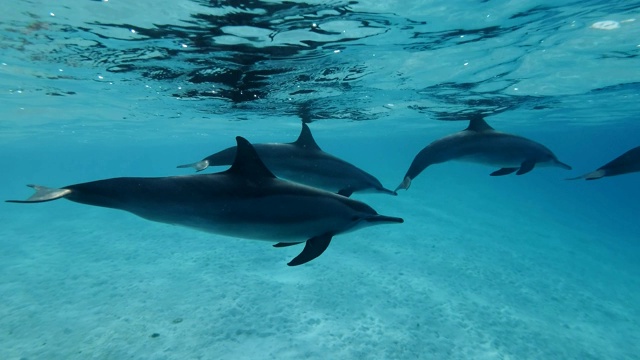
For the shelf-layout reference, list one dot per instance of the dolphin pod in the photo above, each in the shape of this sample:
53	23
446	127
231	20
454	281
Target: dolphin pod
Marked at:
303	161
480	143
626	163
245	201
249	201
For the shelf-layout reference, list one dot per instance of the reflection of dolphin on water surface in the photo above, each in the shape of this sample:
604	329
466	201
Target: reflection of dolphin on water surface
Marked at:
628	162
303	161
480	143
246	201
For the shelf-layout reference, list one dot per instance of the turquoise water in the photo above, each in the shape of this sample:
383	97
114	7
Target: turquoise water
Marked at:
512	267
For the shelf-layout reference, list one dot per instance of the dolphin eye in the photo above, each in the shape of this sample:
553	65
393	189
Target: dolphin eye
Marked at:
355	218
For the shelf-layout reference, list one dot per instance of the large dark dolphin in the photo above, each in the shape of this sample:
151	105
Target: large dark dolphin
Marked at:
246	201
303	161
626	163
480	143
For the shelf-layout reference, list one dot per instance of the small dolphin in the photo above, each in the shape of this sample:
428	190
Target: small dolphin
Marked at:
245	201
626	163
303	161
480	143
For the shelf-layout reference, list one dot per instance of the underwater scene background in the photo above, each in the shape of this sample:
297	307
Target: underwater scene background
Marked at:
508	267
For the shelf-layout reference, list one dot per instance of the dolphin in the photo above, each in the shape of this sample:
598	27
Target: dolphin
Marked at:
480	143
245	201
626	163
303	161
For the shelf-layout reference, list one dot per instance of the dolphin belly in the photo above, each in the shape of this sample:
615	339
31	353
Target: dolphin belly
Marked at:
284	218
324	173
498	159
497	149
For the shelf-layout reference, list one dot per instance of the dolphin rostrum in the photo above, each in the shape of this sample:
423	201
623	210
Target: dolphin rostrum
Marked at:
480	143
626	163
303	161
245	201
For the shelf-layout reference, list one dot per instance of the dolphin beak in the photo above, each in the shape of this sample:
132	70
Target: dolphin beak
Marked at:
563	165
384	219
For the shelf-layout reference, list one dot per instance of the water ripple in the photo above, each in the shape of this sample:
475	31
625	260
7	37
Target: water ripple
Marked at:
350	63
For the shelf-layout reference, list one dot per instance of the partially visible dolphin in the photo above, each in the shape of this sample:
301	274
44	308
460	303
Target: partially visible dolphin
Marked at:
245	201
626	163
303	161
480	143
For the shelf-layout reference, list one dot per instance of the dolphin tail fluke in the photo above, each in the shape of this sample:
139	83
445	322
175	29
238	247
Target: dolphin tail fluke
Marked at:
577	177
313	248
199	166
590	176
43	194
387	191
404	185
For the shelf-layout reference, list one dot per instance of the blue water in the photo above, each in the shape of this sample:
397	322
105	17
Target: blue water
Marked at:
513	267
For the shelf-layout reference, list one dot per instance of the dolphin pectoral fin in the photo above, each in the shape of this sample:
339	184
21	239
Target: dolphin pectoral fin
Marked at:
313	248
503	171
404	184
284	244
526	166
345	192
43	194
199	166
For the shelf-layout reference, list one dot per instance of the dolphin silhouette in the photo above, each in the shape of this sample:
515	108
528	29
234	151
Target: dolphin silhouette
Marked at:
626	163
245	201
480	143
303	161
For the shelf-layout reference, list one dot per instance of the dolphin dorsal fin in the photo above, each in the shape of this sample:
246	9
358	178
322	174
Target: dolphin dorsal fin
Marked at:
247	162
305	140
478	124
